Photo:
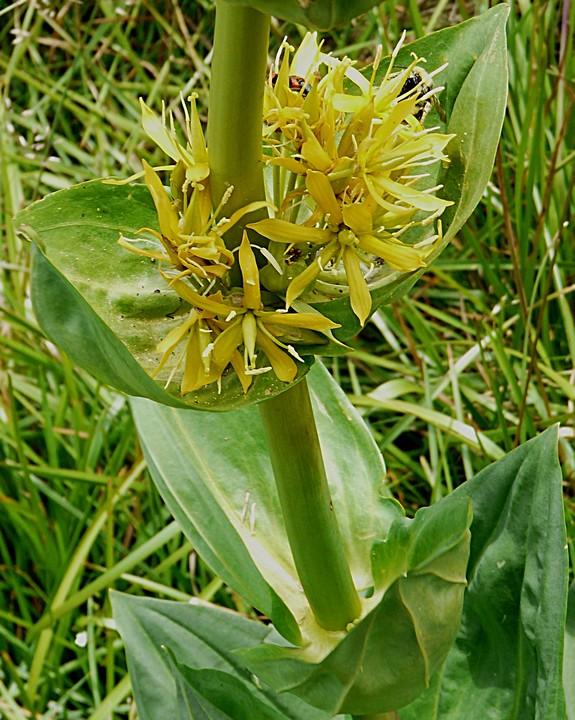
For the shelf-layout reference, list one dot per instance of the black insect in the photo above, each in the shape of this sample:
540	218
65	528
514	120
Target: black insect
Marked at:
293	254
296	84
421	82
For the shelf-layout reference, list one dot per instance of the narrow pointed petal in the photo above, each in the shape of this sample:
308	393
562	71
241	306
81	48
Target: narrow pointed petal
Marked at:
195	375
155	129
307	277
286	232
237	362
249	332
313	152
321	191
173	339
290	164
200	301
283	366
310	320
239	214
197	139
358	291
397	255
251	276
306	58
358	217
417	198
167	216
227	343
302	281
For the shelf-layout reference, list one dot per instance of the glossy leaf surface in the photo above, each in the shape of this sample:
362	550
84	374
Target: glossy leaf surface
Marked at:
506	663
314	14
201	639
214	473
569	656
386	659
106	307
474	100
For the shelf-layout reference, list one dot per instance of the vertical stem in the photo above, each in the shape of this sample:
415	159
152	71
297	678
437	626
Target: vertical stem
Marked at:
309	517
235	156
236	109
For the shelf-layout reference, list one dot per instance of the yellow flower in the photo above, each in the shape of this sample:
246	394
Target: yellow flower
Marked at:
348	173
352	240
218	327
191	242
194	156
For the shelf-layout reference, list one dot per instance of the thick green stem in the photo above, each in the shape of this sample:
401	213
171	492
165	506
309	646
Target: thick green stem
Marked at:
311	525
236	108
235	155
378	716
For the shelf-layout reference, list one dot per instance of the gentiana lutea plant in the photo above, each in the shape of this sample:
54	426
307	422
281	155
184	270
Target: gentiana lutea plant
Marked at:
320	191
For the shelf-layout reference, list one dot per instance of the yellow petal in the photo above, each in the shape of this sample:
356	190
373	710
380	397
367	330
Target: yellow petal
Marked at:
156	254
358	291
155	129
172	340
286	232
283	366
306	59
177	334
310	320
239	214
249	332
199	301
358	217
251	276
167	216
237	362
417	198
301	281
196	134
313	152
356	130
294	166
195	375
227	343
321	191
397	255
305	278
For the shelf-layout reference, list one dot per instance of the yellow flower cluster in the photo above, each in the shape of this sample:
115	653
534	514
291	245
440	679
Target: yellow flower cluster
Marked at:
191	244
343	152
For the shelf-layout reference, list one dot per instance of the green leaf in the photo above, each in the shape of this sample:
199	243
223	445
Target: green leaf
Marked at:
199	636
317	14
474	99
106	307
216	695
569	656
386	659
215	476
506	661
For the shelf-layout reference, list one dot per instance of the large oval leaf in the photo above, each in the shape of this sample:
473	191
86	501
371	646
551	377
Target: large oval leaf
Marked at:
507	659
474	100
106	307
200	636
314	14
386	659
215	476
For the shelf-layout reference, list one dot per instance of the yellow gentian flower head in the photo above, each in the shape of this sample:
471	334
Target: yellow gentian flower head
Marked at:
236	330
349	171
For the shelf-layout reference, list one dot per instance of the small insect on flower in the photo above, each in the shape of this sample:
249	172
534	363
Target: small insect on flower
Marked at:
420	83
296	84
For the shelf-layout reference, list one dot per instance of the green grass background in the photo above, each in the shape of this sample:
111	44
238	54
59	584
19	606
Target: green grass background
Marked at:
485	342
